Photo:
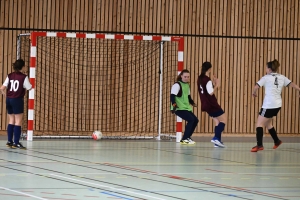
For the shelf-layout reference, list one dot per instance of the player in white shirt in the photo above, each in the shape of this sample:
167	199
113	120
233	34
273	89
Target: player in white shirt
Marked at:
273	83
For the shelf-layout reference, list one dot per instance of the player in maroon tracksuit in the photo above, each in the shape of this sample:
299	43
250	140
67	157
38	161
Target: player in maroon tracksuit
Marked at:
209	103
16	84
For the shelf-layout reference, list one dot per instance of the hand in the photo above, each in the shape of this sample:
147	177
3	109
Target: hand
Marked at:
216	81
3	93
174	108
194	105
254	94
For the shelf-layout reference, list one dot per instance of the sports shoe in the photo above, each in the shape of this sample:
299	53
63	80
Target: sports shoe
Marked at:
216	146
9	144
191	141
277	144
19	146
257	148
184	141
217	142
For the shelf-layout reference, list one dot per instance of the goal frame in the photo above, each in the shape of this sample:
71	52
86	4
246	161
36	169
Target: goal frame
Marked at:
32	67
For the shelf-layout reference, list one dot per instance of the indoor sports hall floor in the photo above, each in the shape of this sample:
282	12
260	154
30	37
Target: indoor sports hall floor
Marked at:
149	169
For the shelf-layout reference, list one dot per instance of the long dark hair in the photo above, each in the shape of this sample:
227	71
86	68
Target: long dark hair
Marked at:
18	65
273	65
205	67
180	74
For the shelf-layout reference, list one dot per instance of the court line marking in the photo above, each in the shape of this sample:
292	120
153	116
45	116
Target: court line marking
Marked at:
55	171
25	194
52	177
152	173
196	181
111	194
112	188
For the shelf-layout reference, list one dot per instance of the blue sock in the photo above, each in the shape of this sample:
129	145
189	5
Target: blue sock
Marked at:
17	134
219	130
216	129
10	132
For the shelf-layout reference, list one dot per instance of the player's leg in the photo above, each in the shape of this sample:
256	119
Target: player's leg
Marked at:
10	129
18	107
194	125
261	122
17	131
220	120
272	130
221	125
273	134
11	123
191	121
216	121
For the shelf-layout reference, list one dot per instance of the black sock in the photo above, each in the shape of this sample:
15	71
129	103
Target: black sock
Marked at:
259	135
273	134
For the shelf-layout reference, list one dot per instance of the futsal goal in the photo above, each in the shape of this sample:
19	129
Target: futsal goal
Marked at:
118	84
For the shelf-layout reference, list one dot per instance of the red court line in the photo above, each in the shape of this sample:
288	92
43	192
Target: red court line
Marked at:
47	192
192	180
17	195
69	194
220	171
250	174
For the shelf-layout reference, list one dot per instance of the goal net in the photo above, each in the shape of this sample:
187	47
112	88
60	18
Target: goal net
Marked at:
118	84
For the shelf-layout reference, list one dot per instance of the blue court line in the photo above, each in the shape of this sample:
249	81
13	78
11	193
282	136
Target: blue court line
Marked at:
110	194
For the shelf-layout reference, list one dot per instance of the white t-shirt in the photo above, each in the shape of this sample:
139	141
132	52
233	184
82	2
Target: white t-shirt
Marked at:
175	89
273	84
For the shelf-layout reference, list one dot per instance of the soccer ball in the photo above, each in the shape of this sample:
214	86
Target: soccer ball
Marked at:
97	135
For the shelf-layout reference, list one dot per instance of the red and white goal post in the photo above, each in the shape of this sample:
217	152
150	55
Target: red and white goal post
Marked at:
108	82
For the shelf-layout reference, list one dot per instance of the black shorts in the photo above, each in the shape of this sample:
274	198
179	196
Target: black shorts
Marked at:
269	112
216	114
15	105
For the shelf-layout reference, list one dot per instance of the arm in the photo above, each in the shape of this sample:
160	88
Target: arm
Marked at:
172	98
293	85
255	88
174	91
27	85
216	85
3	90
191	101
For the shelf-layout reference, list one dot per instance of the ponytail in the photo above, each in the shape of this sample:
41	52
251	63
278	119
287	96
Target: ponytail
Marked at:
205	67
179	75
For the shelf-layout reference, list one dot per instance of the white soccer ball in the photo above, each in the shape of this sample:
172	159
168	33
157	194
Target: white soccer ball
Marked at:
97	135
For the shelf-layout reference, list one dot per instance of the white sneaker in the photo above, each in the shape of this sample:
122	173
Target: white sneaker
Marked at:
216	146
191	141
217	142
